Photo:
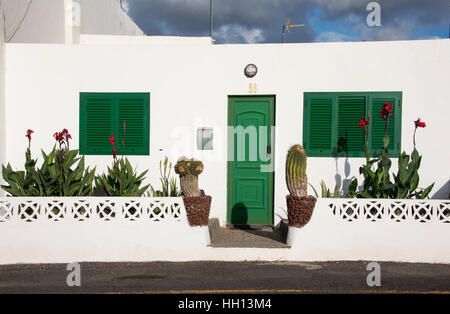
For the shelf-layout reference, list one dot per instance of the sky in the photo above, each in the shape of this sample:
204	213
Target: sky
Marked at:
261	21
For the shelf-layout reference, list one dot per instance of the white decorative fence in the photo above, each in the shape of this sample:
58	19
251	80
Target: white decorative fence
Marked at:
374	230
64	229
91	209
401	210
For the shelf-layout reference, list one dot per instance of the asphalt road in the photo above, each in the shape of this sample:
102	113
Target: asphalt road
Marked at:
226	277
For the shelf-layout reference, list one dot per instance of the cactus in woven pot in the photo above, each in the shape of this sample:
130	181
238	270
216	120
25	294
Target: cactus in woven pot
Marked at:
296	178
300	205
197	206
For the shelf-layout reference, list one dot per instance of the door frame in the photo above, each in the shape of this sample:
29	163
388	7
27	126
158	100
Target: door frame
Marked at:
230	174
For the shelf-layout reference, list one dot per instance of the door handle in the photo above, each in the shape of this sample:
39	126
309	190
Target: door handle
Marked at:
269	149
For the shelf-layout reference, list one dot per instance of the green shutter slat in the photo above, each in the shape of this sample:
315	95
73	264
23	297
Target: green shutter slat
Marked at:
97	119
317	128
103	114
377	125
351	109
320	124
132	111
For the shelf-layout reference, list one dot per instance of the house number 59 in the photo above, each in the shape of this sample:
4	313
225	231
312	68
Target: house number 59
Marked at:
252	88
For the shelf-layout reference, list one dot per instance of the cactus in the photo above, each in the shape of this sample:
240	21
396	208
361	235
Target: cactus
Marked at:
296	179
188	170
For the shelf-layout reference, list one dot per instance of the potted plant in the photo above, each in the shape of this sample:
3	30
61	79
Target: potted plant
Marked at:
197	205
300	205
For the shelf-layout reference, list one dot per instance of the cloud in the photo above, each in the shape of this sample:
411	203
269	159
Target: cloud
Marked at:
238	33
249	21
333	37
254	20
125	6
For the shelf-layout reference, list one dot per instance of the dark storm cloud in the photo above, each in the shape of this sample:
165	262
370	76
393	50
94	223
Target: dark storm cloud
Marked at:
241	21
183	17
426	11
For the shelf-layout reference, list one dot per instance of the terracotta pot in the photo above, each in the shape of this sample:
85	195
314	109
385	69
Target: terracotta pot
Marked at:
300	209
197	210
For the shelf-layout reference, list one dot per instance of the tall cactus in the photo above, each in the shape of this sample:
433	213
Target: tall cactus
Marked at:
296	179
188	170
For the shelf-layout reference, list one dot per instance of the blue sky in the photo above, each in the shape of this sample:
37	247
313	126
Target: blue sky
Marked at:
260	21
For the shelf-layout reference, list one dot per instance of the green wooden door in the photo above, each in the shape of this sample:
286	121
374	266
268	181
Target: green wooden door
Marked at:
250	178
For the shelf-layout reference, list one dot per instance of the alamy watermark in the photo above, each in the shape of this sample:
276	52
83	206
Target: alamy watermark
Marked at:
73	13
374	277
74	277
374	17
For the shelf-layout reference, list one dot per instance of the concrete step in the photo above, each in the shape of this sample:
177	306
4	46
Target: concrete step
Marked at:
248	236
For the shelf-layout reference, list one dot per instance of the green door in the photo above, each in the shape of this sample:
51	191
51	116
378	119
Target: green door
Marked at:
250	175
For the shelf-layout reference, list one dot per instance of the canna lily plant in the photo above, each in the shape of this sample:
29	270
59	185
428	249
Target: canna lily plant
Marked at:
377	184
62	172
121	179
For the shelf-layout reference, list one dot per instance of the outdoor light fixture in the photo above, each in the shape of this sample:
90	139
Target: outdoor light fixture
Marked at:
250	70
204	138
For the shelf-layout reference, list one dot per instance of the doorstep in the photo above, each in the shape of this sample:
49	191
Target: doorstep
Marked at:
253	236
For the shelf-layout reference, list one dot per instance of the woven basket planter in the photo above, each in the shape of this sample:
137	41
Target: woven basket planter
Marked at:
197	210
300	209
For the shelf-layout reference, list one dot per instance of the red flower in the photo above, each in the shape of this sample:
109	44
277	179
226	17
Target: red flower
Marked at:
387	107
58	136
29	132
112	140
363	123
419	124
386	111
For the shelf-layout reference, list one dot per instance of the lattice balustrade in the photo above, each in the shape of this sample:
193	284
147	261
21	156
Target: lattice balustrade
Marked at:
55	210
373	210
175	210
379	210
106	210
350	210
422	211
443	211
85	209
132	210
157	211
81	210
398	211
5	211
29	211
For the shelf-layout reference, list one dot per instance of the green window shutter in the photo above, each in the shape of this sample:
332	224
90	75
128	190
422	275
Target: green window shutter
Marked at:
96	121
331	123
377	124
133	109
350	138
318	124
103	114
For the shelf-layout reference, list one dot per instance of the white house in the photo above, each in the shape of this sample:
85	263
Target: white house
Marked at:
179	97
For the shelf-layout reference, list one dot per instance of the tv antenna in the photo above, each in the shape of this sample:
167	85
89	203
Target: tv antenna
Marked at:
286	28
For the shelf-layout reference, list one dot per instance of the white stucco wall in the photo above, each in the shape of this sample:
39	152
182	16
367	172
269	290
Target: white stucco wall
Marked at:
42	22
47	21
2	95
189	86
106	17
144	40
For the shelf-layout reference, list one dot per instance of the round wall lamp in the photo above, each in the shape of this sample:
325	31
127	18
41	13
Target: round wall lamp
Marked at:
250	70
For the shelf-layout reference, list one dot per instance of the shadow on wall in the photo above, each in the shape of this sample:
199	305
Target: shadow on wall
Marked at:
342	184
443	192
